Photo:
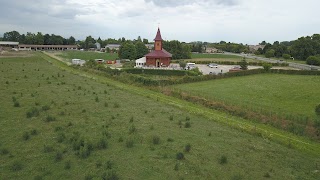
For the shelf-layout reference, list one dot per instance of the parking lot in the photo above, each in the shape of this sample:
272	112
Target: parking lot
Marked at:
220	69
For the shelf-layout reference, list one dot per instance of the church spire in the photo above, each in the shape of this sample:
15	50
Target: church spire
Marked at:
158	36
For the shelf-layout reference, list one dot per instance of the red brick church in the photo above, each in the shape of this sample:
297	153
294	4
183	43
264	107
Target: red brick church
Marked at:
159	57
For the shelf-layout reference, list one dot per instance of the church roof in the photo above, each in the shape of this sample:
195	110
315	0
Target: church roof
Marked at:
158	36
159	54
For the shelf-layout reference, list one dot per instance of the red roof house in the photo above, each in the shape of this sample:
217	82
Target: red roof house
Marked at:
159	57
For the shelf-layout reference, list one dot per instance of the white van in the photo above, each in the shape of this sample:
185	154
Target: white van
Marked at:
190	66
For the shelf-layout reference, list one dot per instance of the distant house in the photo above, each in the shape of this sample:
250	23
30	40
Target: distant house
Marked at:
211	50
141	62
98	46
150	47
78	62
113	46
254	48
9	44
29	47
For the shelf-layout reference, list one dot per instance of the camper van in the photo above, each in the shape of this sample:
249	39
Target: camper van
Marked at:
190	66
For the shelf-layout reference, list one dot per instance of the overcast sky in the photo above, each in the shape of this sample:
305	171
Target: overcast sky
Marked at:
241	21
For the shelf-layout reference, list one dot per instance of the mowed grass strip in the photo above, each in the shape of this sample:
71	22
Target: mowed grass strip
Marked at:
275	93
87	55
132	136
218	55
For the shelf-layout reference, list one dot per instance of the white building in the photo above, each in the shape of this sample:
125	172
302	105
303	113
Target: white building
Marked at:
98	46
141	62
78	62
113	46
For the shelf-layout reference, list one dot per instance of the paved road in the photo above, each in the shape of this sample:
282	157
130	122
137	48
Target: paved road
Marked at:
291	64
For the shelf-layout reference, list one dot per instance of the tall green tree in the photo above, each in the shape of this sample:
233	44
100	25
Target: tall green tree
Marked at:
39	39
141	49
127	51
11	36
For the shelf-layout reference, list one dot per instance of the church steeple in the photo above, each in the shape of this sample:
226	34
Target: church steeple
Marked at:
158	41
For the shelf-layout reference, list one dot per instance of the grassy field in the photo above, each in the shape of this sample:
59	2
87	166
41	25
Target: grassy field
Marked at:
277	93
59	125
87	55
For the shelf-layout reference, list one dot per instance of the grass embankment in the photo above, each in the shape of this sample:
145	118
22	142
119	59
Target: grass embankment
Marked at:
61	125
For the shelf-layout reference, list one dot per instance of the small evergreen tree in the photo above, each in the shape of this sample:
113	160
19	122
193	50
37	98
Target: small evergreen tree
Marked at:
244	64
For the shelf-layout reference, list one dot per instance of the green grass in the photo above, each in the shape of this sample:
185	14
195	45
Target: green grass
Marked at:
50	153
87	55
276	93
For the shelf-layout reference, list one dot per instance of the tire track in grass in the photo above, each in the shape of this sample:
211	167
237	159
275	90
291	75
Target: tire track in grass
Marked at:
266	132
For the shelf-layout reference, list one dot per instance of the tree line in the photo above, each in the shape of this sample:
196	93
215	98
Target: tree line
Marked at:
304	48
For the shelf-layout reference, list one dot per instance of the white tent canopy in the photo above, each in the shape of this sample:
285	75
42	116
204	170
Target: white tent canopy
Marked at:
141	62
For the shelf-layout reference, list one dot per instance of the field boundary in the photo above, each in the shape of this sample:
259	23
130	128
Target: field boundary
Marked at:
266	132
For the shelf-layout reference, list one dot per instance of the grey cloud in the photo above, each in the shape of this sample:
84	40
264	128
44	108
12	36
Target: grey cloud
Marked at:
175	3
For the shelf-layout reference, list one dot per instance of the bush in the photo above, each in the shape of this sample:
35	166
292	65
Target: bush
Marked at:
170	140
132	129
33	112
267	66
49	118
244	64
187	125
16	166
156	140
16	104
4	151
223	159
286	56
25	136
317	110
313	60
58	156
61	137
47	149
34	132
129	143
45	108
187	148
67	165
102	143
179	156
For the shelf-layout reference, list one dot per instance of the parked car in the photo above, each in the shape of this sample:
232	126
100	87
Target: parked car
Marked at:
212	65
235	68
190	66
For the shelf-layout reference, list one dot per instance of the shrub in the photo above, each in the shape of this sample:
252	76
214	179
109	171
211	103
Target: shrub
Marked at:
60	137
106	104
187	148
313	60
58	156
267	175
88	177
156	140
120	139
102	143
34	132
244	64
116	105
267	66
25	136
16	104
49	118
170	140
45	108
47	149
187	125
286	56
97	99
131	119
67	165
109	165
16	166
179	156
223	159
317	110
176	167
171	118
33	112
129	143
132	129
4	151
83	111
